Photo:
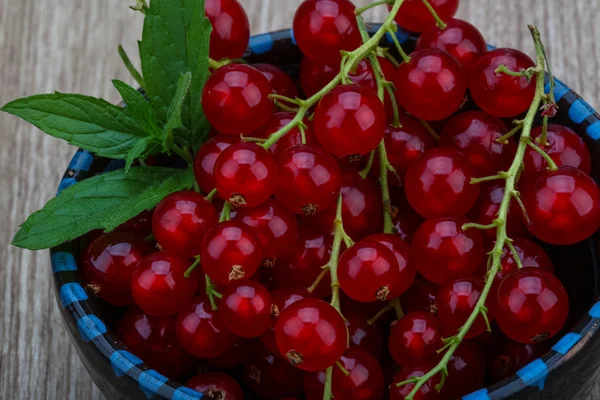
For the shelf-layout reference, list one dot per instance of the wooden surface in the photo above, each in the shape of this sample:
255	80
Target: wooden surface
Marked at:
70	46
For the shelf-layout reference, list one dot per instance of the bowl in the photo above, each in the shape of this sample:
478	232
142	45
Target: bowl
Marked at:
560	374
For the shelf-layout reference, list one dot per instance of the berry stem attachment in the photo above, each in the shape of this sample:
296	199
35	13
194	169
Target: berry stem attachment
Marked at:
504	138
225	212
392	32
341	367
209	197
551	164
365	171
212	293
319	279
438	21
501	175
431	131
192	267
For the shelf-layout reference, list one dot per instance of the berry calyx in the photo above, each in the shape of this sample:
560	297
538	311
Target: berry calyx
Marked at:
216	386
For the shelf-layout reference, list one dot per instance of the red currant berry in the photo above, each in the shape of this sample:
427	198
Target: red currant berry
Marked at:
140	225
158	284
446	251
415	339
415	17
292	138
280	82
474	133
530	254
324	27
350	120
311	334
231	29
420	297
153	339
364	336
271	377
432	83
406	267
315	76
426	392
563	145
309	179
456	301
563	206
466	371
505	357
365	381
204	162
364	76
216	385
236	100
237	354
230	251
368	271
406	220
497	93
108	264
246	309
439	184
532	305
201	330
462	40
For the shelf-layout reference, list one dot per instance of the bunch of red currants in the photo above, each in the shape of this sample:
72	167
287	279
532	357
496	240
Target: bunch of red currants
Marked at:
245	286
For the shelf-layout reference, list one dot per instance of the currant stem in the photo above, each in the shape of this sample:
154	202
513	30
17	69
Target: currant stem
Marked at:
214	64
528	73
551	164
501	175
225	212
361	10
341	367
365	171
472	225
504	138
192	267
388	223
317	281
209	197
516	257
211	293
405	57
395	303
379	314
438	21
431	131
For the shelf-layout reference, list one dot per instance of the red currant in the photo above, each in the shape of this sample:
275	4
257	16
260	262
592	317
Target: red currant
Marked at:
530	254
292	138
420	297
231	29
426	392
415	339
140	225
236	100
237	354
204	162
406	220
364	76
415	17
505	357
363	335
497	93
246	309
406	267
563	206
280	82
271	377
314	76
216	385
466	371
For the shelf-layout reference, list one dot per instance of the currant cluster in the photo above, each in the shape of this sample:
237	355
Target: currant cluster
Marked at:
343	183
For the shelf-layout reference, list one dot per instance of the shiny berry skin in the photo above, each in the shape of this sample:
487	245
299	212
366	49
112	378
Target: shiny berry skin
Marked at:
365	381
439	184
456	301
236	100
231	29
466	371
245	174
505	357
364	76
530	254
415	17
158	285
368	271
406	266
201	330
565	148
532	305
314	76
280	82
446	251
108	264
153	339
231	251
204	162
292	138
274	225
460	39
499	94
432	83
420	297
311	334
309	179
246	309
350	120
324	27
236	355
272	377
474	133
364	336
426	392
216	385
563	205
181	220
140	225
415	339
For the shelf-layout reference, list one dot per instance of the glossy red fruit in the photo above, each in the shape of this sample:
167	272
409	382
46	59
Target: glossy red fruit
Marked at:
415	17
368	271
456	301
292	138
420	297
445	251
272	377
311	334
237	354
415	339
314	76
204	162
140	225
236	100
280	82
158	284
364	76
153	339
530	254
426	392
230	252
350	120
231	29
246	309
108	264
466	371
365	381
309	179
563	205
432	83
364	336
439	184
532	305
474	133
324	27
216	385
201	330
406	266
497	93
563	145
462	40
505	357
406	220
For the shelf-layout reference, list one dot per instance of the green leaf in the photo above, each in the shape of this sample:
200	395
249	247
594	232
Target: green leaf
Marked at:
174	114
101	202
138	108
87	122
144	148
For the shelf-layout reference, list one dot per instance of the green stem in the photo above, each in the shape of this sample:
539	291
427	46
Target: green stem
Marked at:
504	138
516	257
438	21
192	267
361	10
527	73
388	223
209	197
322	275
181	153
341	367
225	212
365	171
129	65
501	175
397	307
214	64
379	314
211	293
431	131
551	164
405	57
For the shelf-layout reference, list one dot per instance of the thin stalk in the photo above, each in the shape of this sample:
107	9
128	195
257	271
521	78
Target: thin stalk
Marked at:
504	138
431	131
365	171
129	65
438	21
361	10
209	197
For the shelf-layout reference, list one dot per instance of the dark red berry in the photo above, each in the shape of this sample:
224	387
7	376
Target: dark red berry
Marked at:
314	76
237	354
364	76
140	225
204	162
246	309
426	392
280	82
231	29
415	339
530	254
406	266
216	386
364	336
272	377
466	371
405	218
415	17
420	297
292	138
505	357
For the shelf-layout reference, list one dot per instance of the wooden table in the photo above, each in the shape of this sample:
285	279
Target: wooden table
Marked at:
70	46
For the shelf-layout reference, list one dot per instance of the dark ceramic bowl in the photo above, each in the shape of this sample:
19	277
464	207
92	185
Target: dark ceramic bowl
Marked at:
560	374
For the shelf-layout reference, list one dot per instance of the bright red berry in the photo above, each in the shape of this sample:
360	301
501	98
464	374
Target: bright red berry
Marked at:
505	357
406	266
204	162
530	254
314	76
216	385
420	297
231	29
426	392
236	100
364	76
280	82
292	138
246	309
466	371
415	17
415	339
272	377
363	335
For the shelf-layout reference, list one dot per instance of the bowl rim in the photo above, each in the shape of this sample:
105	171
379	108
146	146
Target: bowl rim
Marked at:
77	311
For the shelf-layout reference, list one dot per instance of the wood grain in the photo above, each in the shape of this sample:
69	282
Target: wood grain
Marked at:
70	46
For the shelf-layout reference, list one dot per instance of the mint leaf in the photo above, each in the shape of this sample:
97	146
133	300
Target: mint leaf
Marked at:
138	108
174	114
143	148
101	202
129	65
